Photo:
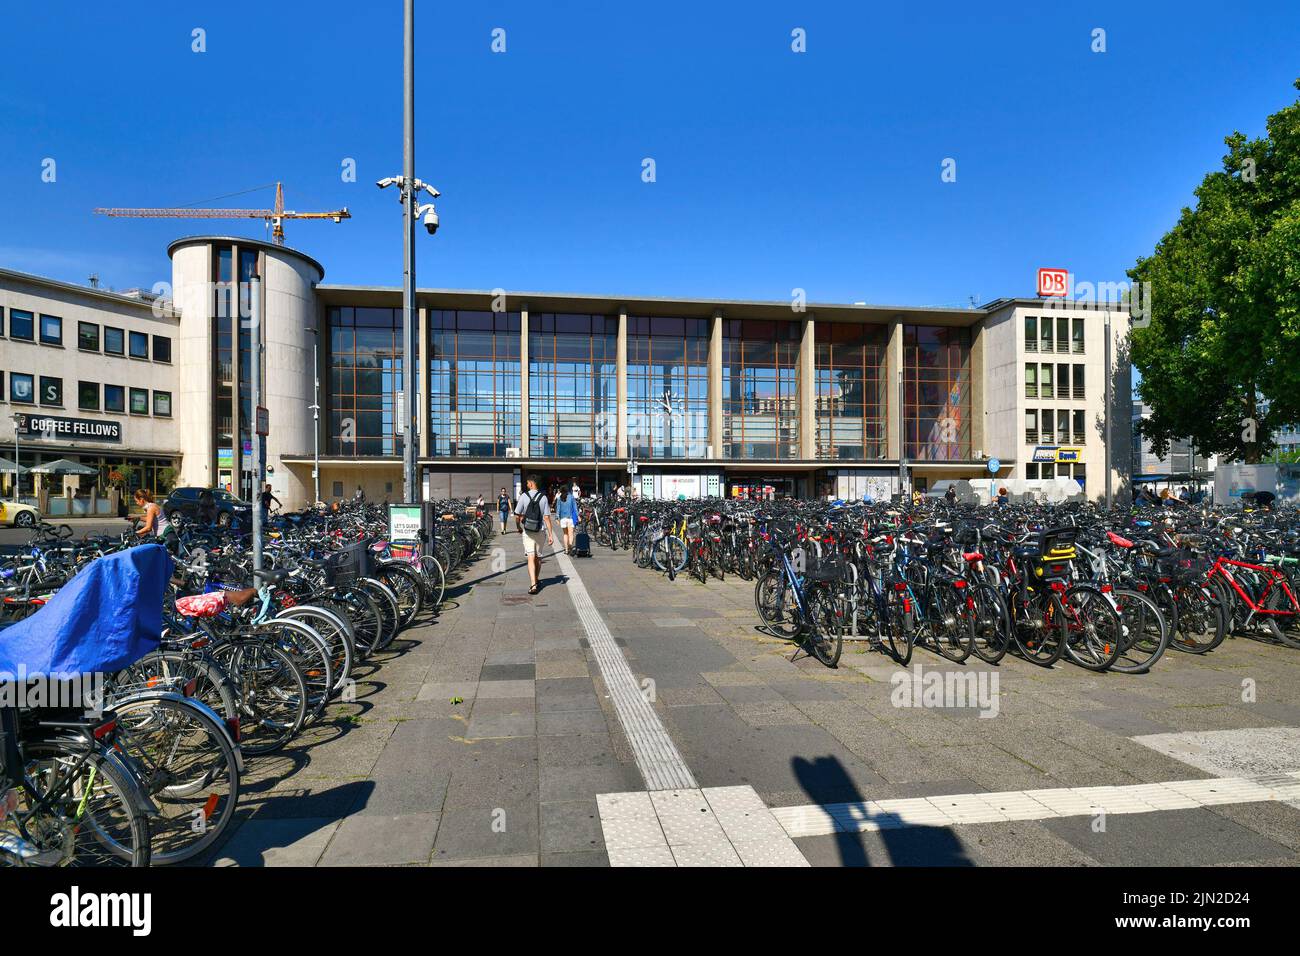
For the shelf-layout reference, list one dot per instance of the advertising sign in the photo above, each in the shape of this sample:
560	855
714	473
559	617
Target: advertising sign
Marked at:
1053	282
404	524
71	429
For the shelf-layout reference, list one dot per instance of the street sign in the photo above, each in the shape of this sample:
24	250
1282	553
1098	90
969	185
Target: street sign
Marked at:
399	420
263	421
631	467
1053	282
993	466
404	523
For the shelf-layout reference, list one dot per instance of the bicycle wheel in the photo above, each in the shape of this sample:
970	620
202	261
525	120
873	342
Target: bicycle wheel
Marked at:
1146	632
776	605
670	552
1041	632
404	582
311	655
1282	626
191	772
1201	623
824	635
991	621
390	616
1095	634
91	819
334	630
900	624
272	693
952	629
435	581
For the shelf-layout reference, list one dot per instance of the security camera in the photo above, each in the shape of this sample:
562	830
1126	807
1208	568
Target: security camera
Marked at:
386	182
431	219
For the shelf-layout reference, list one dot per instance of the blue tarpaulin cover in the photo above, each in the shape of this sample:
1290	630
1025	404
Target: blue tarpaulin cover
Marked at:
106	617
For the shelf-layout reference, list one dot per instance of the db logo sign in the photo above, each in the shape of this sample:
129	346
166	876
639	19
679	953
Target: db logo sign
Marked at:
1053	282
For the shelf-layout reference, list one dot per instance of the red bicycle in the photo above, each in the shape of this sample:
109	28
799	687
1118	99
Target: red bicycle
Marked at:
1263	592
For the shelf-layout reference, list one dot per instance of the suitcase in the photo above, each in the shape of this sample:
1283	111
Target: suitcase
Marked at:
582	545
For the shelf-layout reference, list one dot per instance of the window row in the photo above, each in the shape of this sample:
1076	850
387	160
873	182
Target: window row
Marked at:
1077	471
23	390
1067	382
1054	333
24	326
1062	427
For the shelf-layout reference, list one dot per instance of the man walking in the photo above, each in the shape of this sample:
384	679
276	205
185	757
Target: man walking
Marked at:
532	513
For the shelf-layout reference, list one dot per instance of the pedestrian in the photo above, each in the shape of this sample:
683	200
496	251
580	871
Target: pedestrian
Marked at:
503	508
155	523
480	504
1002	496
267	498
207	507
950	495
360	495
532	514
566	507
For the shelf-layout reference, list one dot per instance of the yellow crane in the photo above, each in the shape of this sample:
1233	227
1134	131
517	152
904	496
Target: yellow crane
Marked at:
275	217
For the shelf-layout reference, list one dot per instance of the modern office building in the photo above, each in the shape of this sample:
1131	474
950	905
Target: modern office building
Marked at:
708	397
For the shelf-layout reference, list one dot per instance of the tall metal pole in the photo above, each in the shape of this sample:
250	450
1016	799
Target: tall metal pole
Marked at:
902	442
409	200
1105	438
315	416
16	420
255	349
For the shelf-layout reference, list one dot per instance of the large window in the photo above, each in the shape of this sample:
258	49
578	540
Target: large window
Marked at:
162	404
667	387
21	325
1031	380
22	388
572	385
88	336
51	391
162	348
851	394
114	343
365	377
51	330
114	398
139	401
474	400
936	386
760	389
139	345
88	396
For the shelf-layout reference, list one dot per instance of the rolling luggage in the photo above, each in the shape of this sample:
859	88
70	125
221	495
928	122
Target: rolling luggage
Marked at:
582	545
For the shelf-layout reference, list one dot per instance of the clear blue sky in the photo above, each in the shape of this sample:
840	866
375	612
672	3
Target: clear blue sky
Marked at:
775	170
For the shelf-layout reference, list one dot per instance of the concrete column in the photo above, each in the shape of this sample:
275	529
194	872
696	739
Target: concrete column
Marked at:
422	385
893	365
808	389
715	385
622	448
523	379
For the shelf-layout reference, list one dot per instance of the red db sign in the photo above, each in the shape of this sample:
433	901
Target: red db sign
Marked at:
1053	282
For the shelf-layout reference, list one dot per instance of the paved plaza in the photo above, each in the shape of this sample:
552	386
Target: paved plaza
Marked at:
619	718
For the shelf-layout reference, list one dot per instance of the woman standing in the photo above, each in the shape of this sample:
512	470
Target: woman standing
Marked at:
566	507
155	522
503	508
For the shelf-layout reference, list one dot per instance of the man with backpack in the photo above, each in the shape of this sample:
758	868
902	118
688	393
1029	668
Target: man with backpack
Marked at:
532	513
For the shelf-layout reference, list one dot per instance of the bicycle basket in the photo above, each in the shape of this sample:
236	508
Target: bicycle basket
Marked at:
348	564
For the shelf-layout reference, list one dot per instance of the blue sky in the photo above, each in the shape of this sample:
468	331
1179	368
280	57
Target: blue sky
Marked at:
775	170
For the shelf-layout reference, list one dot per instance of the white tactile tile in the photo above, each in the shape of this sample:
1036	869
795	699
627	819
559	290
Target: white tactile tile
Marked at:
770	853
629	821
642	856
805	821
916	812
712	854
968	808
686	818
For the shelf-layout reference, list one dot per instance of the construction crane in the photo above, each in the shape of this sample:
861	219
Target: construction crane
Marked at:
274	217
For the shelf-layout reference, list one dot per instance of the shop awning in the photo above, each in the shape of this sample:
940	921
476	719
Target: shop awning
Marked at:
7	467
64	466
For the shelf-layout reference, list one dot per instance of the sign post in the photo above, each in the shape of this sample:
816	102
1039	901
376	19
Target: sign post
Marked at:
255	346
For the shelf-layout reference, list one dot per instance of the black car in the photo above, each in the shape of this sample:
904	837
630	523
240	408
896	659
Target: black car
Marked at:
208	505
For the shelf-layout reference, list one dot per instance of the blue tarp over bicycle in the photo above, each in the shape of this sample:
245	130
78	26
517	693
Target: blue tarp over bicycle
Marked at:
106	617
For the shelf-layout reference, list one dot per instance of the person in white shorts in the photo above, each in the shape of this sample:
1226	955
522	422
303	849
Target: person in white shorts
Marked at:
566	506
532	515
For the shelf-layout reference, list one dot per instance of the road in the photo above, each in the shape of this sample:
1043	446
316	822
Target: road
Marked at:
79	526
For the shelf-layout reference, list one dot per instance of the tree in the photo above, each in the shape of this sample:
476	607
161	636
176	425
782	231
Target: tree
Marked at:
1220	361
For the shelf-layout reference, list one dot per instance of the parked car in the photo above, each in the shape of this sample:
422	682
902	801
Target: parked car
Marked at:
222	508
19	515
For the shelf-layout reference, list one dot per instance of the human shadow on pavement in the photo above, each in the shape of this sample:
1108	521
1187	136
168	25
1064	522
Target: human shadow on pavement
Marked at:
826	781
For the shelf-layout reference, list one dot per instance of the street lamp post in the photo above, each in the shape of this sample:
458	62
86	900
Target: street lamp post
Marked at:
16	418
315	416
412	210
1105	437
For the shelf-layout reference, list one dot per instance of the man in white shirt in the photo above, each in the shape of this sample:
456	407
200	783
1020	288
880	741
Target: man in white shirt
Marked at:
532	514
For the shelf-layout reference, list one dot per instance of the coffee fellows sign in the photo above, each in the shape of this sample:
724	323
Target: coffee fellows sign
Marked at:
69	429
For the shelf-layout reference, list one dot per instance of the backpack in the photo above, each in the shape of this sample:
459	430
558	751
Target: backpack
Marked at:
533	512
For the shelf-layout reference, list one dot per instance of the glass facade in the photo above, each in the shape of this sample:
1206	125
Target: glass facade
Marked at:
852	400
667	387
760	389
474	396
364	378
572	385
936	393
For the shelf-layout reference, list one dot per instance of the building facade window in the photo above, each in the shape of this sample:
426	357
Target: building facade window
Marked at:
1080	427
1045	386
22	388
114	398
162	349
1031	333
88	336
88	396
51	391
936	393
114	341
139	401
1031	427
667	387
1078	381
162	404
760	389
1031	380
851	395
474	395
51	330
1078	336
21	325
572	385
139	345
365	377
1046	325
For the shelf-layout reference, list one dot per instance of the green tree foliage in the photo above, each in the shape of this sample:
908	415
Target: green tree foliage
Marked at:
1220	360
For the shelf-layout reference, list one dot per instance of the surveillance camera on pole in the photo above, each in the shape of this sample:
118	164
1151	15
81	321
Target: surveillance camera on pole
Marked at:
430	217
